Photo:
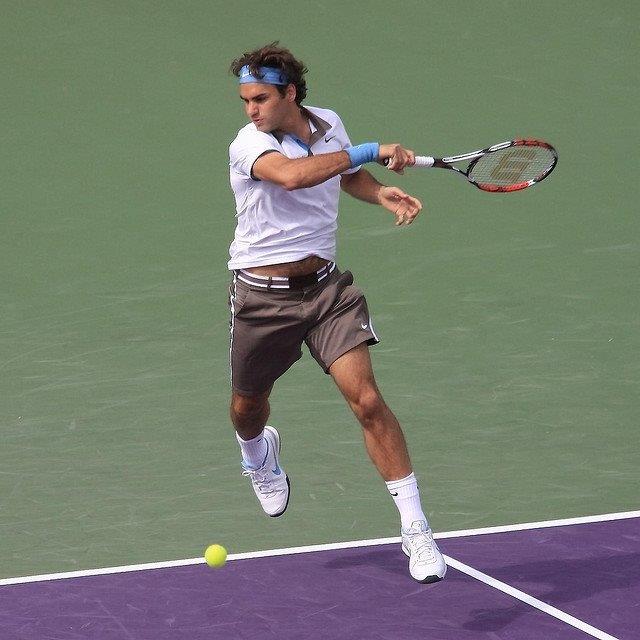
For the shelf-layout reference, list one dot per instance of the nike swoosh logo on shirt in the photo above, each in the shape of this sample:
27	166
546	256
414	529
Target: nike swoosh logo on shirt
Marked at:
329	138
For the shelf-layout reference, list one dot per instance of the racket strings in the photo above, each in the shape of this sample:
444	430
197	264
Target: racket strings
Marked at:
512	166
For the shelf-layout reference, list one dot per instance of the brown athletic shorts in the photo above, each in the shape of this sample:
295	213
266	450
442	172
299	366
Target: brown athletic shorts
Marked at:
269	323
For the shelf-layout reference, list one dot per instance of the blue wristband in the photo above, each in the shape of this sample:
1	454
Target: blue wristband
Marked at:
361	153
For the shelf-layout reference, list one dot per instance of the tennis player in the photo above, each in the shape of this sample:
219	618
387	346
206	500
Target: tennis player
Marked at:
287	167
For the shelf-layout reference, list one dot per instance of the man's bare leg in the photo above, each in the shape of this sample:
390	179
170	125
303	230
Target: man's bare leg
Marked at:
260	446
384	440
387	449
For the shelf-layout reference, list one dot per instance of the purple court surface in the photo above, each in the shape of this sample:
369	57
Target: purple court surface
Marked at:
589	571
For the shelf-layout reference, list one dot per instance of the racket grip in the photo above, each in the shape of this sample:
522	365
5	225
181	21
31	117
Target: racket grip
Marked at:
424	161
421	161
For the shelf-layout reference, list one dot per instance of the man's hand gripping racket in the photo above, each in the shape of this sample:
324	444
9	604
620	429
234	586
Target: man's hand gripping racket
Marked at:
508	166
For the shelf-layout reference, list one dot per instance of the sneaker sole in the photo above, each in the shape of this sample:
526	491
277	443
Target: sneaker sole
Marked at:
428	579
277	515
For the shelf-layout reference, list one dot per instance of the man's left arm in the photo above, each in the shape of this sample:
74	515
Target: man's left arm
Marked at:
363	186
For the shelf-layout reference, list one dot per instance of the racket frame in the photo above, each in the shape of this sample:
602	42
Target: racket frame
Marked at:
448	161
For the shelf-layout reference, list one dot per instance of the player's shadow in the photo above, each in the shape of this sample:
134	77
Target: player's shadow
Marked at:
564	581
391	560
555	582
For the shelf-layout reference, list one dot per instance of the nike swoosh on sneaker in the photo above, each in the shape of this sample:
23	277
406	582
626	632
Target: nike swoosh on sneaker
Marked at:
277	470
394	494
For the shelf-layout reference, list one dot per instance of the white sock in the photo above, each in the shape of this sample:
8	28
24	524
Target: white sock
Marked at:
406	495
254	451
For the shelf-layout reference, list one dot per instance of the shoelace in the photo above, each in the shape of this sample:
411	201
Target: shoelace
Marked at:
260	479
423	546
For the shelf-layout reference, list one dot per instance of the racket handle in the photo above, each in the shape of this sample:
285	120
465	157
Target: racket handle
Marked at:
421	161
424	161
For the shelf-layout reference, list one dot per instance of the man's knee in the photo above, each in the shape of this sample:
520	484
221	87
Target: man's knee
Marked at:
368	405
247	406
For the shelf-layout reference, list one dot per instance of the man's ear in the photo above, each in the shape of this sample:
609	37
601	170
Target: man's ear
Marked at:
291	93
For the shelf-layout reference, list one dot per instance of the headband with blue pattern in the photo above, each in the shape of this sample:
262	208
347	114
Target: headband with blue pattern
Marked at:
268	75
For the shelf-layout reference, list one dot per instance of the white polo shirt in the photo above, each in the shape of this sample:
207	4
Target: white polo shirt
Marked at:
275	225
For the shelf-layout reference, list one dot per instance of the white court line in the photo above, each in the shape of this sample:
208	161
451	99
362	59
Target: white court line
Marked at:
526	526
317	547
530	600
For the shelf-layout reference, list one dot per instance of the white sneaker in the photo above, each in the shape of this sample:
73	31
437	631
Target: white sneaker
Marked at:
426	563
270	482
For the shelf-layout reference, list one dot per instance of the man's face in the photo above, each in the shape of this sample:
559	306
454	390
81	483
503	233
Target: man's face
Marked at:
264	105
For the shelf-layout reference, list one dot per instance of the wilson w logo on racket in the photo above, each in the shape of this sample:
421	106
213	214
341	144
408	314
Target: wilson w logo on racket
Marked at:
513	165
508	166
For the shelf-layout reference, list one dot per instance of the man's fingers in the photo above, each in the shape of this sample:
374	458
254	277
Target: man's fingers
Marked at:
399	161
396	164
397	157
404	207
411	201
405	216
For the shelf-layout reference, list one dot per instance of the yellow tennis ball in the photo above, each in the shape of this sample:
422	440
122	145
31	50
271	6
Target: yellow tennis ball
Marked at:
215	555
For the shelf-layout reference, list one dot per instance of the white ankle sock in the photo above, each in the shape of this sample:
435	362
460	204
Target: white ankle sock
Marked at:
406	495
254	451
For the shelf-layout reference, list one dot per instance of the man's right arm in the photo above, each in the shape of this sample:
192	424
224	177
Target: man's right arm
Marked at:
301	173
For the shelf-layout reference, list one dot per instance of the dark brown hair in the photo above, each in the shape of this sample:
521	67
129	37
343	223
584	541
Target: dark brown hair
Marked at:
272	55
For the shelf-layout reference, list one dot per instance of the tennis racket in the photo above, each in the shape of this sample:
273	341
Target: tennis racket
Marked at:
508	166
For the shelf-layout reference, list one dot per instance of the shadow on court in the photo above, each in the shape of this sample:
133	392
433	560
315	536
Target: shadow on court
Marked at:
594	581
562	582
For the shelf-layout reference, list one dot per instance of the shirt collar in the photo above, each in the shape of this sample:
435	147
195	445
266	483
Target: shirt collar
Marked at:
318	126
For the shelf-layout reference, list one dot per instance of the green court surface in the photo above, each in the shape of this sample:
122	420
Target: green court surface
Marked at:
510	324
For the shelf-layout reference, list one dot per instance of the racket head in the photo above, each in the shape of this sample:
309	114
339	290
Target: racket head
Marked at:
524	162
